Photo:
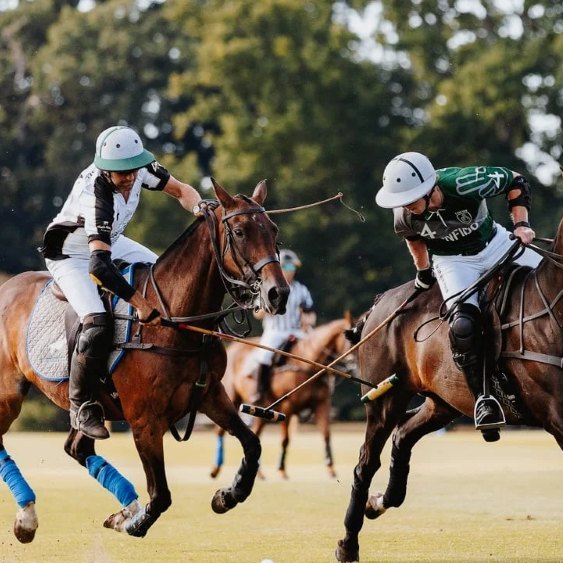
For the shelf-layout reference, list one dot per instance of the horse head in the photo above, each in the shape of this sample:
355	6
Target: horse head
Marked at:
249	261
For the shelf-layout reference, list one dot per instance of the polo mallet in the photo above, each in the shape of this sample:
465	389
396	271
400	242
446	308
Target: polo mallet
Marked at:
225	336
269	414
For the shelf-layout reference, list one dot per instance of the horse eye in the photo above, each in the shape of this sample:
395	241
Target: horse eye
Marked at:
239	232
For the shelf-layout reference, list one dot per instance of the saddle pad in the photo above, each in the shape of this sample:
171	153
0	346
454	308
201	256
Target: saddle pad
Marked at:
46	343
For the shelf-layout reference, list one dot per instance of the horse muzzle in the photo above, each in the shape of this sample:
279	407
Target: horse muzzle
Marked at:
273	298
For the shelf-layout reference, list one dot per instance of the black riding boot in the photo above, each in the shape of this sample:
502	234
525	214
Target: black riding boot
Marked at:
467	346
88	362
488	412
262	383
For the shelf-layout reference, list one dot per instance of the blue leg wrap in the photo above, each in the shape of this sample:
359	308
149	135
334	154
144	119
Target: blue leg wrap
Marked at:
10	472
110	478
219	452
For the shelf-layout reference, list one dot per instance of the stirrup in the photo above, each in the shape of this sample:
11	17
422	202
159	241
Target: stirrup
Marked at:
492	418
89	419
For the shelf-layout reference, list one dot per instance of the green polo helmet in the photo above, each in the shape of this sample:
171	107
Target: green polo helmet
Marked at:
119	149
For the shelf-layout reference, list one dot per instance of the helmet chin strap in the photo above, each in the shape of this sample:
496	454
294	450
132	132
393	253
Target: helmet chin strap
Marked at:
426	199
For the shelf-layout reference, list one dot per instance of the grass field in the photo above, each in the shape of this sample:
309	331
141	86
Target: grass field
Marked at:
467	501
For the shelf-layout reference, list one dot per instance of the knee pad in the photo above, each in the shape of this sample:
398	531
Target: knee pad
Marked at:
96	337
465	329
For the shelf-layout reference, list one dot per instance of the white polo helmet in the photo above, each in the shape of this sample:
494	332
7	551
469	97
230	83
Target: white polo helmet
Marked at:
119	149
408	177
289	257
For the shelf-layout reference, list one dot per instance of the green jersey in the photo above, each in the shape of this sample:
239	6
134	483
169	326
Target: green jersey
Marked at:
464	224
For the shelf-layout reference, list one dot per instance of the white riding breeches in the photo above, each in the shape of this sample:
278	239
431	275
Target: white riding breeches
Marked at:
71	274
274	339
457	273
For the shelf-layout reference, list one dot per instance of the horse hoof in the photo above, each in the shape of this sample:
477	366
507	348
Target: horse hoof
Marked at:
26	524
214	472
283	474
222	502
374	506
345	554
331	472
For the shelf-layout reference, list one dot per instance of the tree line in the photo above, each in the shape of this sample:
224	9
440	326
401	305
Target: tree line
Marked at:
278	89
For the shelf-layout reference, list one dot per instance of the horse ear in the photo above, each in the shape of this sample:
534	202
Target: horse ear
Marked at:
348	317
260	192
224	198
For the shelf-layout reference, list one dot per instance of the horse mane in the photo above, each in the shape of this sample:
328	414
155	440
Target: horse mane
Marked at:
188	231
354	334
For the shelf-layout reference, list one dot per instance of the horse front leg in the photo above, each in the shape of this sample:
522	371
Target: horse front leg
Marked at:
322	417
417	423
219	408
381	418
149	443
284	427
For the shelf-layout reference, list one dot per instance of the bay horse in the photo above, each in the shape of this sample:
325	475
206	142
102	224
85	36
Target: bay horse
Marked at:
530	359
322	344
232	244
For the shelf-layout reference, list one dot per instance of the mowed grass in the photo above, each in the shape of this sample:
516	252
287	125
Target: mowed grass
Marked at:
467	501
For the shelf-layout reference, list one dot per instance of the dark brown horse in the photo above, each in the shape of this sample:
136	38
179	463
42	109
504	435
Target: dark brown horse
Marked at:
531	359
231	246
323	344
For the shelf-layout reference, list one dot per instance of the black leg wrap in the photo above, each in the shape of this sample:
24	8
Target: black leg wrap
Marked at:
244	481
398	474
354	519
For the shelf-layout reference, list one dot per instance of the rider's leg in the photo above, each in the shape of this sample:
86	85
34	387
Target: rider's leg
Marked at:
262	382
89	361
466	339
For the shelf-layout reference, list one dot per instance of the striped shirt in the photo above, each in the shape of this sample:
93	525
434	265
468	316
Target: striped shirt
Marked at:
299	300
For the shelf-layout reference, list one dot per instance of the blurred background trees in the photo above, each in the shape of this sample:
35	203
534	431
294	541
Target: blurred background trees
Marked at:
315	96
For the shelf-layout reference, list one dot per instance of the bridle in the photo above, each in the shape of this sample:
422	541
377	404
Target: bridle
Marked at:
244	290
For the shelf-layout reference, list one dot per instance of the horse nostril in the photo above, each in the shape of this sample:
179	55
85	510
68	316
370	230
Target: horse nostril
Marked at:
278	299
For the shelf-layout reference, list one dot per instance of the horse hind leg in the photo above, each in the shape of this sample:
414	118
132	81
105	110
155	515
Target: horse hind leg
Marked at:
416	424
81	448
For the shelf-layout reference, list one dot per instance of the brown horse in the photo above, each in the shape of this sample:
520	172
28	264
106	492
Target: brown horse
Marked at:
323	344
530	362
232	247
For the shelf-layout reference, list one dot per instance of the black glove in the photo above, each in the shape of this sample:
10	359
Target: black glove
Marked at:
424	279
154	314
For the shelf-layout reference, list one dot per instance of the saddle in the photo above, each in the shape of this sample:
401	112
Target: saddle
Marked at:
54	327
